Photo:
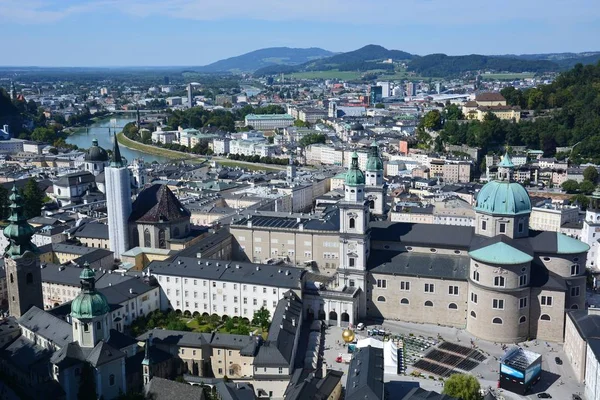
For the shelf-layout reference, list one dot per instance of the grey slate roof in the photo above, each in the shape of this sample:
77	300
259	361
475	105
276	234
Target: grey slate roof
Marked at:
157	203
235	391
303	386
586	322
164	389
47	326
204	244
279	348
75	178
119	293
447	236
422	394
365	375
27	356
232	271
180	338
104	353
69	355
92	231
119	340
328	221
419	264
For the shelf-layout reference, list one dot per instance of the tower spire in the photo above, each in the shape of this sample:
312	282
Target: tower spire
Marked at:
18	232
116	161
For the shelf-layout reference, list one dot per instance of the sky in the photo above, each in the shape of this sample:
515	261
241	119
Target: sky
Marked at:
198	32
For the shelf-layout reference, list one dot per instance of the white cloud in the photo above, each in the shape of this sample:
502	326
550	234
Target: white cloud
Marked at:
359	12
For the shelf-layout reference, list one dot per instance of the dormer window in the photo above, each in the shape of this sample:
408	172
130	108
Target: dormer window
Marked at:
502	228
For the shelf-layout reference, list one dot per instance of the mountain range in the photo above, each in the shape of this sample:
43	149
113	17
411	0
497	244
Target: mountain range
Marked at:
277	60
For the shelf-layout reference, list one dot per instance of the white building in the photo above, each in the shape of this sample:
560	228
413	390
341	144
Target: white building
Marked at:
269	121
221	146
385	89
118	202
252	148
223	287
551	217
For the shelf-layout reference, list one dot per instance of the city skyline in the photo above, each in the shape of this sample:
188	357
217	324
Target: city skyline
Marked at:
194	33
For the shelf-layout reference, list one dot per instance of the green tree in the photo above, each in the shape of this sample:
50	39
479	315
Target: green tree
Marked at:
452	112
312	138
590	174
432	120
87	383
4	203
587	187
262	318
379	105
463	387
33	199
582	200
570	186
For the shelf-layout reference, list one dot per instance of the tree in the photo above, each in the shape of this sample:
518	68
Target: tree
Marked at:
453	113
432	120
587	187
582	200
262	318
570	186
379	105
33	199
463	387
87	383
312	138
590	174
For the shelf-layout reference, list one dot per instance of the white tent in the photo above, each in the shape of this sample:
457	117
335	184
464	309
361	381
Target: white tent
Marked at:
370	342
390	358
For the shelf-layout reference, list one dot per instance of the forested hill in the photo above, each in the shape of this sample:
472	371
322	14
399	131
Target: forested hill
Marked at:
442	65
572	118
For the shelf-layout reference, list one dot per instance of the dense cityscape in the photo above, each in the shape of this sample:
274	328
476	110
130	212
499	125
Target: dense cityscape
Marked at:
300	223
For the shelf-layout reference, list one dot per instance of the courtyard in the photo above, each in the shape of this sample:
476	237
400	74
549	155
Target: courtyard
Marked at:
557	380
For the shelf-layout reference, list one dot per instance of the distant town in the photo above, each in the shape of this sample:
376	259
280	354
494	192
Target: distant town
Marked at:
284	235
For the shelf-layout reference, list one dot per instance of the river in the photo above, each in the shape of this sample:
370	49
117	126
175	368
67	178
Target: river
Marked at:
99	130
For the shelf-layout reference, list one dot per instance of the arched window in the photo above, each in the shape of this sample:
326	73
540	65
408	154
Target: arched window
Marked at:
575	269
135	238
476	276
428	303
574	307
523	319
147	240
371	204
404	301
162	243
381	299
352	223
98	325
497	321
453	306
499	281
176	232
29	278
545	317
111	380
12	280
473	315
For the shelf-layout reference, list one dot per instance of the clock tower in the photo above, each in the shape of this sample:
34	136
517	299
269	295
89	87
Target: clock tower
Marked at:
354	233
22	263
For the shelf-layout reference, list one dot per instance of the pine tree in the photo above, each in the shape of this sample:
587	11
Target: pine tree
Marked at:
33	199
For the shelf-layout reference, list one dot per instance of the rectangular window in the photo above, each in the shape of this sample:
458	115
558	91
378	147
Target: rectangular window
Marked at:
483	225
429	288
474	297
351	262
264	290
575	291
245	300
502	228
520	227
185	293
274	291
498	304
499	281
351	283
575	269
522	280
476	276
453	290
546	301
254	302
235	299
523	302
405	285
381	283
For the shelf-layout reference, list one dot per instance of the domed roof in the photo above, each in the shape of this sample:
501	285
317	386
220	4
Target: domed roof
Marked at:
503	198
96	153
374	162
355	176
89	303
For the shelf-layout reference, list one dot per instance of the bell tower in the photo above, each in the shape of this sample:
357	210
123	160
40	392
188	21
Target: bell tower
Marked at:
354	232
23	273
375	189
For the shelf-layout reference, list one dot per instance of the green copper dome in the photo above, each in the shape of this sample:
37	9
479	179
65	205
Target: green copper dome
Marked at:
18	232
503	198
355	176
89	303
374	162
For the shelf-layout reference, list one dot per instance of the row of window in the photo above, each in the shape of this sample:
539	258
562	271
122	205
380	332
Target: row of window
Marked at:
429	287
522	320
214	284
502	227
500	281
428	303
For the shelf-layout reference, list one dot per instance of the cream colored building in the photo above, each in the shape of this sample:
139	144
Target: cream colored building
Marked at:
550	217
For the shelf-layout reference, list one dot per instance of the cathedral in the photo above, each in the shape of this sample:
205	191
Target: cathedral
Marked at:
498	280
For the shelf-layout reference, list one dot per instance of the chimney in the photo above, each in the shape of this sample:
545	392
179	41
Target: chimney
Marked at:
130	290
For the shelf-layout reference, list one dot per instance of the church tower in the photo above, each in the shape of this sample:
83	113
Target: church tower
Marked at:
291	171
375	186
118	202
354	232
22	263
147	362
89	312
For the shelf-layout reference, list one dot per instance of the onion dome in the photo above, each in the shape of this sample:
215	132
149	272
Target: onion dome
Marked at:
355	176
89	303
374	162
18	232
503	197
96	153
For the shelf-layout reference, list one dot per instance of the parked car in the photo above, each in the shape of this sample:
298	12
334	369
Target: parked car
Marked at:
544	396
558	360
360	326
